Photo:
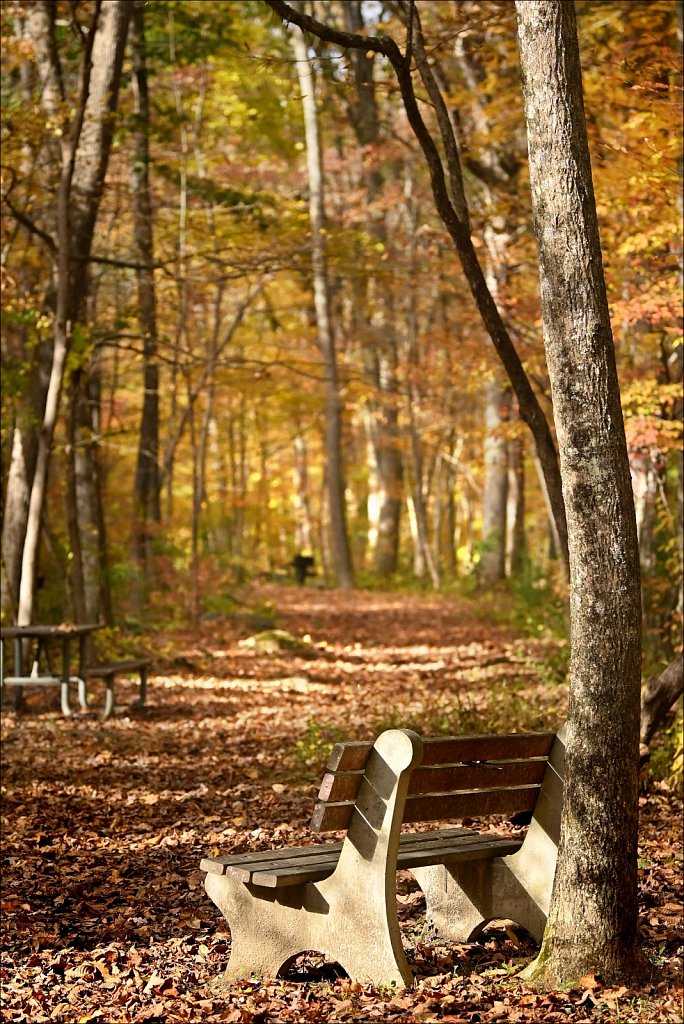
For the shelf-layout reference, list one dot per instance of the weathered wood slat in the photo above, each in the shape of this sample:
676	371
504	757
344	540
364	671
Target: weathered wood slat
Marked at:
115	667
281	868
451	749
293	868
461	805
435	807
351	757
337	787
440	851
411	841
217	865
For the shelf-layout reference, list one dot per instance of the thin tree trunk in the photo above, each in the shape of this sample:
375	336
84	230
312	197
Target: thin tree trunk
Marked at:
302	501
378	330
333	403
492	567
593	919
20	475
423	559
516	542
147	481
85	152
30	408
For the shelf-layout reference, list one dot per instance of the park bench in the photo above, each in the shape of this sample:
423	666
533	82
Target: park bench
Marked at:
108	672
340	898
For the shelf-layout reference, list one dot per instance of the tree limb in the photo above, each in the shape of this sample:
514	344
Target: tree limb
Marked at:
30	225
657	697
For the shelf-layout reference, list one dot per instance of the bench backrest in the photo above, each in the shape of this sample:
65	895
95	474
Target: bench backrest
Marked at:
459	776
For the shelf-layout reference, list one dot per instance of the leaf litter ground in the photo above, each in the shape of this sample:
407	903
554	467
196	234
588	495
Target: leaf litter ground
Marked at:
103	909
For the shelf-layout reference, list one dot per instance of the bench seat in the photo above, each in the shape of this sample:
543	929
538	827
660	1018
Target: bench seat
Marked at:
279	868
108	672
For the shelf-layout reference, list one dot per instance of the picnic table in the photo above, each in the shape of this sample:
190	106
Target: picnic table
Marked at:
38	638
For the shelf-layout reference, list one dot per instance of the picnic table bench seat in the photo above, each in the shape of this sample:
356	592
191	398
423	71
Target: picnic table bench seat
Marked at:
340	898
108	672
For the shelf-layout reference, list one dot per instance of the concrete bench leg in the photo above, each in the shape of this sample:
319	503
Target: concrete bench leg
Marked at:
271	928
264	933
464	898
351	916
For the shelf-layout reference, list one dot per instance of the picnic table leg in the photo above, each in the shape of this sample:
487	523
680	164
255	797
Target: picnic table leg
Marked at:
66	677
82	683
18	690
109	696
140	702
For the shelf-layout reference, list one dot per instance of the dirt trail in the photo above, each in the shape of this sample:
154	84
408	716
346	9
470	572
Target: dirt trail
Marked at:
104	824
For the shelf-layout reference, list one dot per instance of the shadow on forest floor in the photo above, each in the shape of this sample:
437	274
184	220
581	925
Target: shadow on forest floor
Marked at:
104	824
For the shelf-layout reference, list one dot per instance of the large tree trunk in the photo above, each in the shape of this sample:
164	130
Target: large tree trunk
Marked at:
333	402
593	919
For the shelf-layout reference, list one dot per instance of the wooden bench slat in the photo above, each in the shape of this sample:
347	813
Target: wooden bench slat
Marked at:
411	840
507	746
476	804
340	786
114	667
416	850
440	851
326	855
217	865
351	757
330	817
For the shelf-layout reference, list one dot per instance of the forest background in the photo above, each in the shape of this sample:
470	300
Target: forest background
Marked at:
191	446
235	328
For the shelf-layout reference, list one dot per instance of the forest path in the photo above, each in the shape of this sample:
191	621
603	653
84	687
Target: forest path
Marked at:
104	824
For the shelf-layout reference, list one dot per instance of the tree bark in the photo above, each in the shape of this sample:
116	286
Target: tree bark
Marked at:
492	567
593	919
333	403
